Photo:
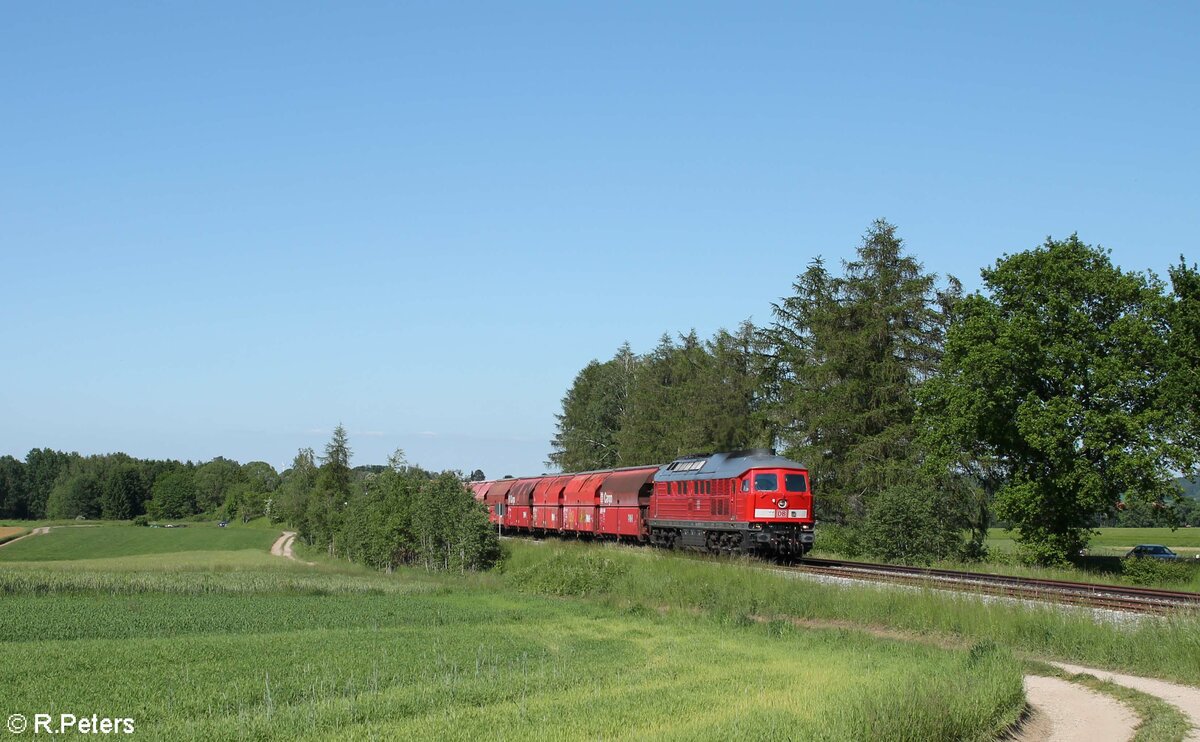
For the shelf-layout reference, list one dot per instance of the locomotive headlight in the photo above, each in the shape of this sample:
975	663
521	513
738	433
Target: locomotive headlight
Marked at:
783	504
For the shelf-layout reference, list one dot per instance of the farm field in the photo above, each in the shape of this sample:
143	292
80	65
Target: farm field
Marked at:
224	641
1118	541
101	541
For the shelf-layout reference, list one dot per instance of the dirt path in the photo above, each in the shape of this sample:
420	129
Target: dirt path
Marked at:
1067	712
35	532
1184	697
283	547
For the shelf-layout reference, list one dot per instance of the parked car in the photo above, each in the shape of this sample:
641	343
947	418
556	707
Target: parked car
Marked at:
1151	551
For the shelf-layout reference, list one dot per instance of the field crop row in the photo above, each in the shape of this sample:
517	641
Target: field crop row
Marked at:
449	659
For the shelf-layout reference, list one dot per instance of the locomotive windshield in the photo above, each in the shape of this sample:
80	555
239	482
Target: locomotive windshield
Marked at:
766	482
795	483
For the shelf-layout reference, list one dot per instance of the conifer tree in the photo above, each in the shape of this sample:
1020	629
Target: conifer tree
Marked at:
848	354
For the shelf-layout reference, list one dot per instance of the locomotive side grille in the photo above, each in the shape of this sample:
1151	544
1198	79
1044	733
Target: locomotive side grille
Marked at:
718	507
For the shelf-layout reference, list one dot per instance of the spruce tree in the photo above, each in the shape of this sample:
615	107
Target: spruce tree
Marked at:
848	355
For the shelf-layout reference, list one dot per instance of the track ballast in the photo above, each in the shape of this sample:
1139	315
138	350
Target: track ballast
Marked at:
1084	594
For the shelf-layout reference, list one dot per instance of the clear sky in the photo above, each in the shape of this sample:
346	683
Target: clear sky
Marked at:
226	227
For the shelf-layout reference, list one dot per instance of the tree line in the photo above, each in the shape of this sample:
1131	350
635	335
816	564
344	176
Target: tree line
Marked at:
383	516
1062	394
59	485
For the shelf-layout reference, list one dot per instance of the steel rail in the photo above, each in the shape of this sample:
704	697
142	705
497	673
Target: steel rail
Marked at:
1113	597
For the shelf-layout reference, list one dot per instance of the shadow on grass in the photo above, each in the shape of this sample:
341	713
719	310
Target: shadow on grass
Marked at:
1098	565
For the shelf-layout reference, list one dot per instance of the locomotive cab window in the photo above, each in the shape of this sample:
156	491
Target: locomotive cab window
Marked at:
766	482
795	483
745	485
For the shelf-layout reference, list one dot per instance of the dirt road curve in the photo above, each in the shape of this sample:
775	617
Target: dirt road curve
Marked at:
1184	697
1067	712
283	547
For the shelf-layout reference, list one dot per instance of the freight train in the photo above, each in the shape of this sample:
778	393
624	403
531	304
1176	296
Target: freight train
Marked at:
751	501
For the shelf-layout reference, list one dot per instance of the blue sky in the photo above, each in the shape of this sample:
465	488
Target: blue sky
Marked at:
225	228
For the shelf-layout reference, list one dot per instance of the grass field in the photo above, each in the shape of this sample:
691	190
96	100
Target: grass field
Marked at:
1104	563
1118	540
225	641
106	541
71	522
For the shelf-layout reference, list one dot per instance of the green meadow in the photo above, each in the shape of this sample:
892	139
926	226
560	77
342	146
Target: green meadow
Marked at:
199	633
68	543
1118	541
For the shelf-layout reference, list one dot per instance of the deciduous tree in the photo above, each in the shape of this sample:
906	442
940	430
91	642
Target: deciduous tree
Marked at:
1057	375
592	411
173	496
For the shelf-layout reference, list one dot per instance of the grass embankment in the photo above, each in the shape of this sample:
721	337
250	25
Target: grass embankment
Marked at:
743	592
230	645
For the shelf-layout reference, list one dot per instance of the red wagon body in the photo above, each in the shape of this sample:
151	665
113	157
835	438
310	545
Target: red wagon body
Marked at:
548	501
749	500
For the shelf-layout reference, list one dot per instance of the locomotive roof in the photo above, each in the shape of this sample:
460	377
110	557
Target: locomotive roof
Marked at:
723	465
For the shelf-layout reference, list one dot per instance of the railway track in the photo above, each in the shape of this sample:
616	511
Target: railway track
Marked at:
1083	594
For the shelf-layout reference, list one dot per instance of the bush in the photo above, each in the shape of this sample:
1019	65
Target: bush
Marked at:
575	573
142	520
844	541
1146	571
913	525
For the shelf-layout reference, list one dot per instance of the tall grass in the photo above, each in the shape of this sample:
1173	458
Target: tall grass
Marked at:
737	591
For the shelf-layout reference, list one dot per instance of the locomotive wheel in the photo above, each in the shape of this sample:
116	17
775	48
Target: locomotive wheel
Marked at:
731	543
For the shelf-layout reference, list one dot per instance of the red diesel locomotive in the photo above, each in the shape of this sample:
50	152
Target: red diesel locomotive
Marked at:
742	501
